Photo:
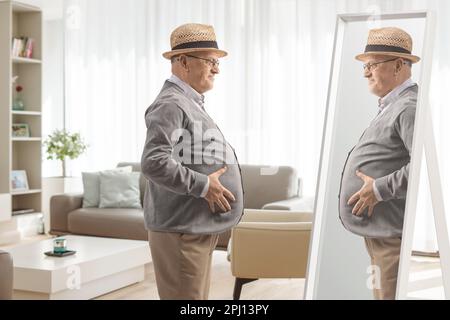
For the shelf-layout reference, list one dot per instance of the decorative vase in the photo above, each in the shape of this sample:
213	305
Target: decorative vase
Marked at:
18	103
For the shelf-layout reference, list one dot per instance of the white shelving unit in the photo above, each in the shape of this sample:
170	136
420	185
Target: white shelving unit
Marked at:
20	193
26	139
20	20
25	60
27	113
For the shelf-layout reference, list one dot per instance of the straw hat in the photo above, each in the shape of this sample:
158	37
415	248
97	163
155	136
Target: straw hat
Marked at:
389	42
193	37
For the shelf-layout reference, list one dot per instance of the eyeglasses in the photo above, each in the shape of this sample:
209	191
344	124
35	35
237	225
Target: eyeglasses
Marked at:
213	63
370	66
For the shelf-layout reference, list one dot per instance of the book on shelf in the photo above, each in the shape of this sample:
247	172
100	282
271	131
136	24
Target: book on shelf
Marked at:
17	212
22	47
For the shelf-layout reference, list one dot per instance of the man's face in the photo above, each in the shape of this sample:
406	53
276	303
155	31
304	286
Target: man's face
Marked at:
382	76
202	72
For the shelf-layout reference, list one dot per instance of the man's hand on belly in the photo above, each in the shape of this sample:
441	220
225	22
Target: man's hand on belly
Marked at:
365	197
217	194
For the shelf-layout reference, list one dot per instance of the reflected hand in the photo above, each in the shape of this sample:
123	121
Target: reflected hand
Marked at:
365	197
217	193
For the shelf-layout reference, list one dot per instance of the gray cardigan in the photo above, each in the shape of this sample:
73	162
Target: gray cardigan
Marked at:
383	152
182	148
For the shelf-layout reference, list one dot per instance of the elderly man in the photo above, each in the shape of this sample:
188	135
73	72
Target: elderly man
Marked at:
375	177
194	184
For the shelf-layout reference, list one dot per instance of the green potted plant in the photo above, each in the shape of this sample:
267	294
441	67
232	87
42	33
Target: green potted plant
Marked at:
61	145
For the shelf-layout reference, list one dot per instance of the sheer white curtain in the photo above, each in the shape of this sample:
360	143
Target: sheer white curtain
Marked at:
269	99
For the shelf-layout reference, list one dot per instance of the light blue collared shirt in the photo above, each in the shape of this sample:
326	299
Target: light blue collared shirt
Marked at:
190	92
384	103
199	100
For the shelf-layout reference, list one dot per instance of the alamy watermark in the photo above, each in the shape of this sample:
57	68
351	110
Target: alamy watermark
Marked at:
374	280
374	19
209	147
74	279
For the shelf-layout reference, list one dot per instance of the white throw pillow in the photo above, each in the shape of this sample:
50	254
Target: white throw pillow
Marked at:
91	186
119	190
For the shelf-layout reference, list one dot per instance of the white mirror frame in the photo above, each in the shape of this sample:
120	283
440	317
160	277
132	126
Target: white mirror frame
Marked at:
423	138
424	143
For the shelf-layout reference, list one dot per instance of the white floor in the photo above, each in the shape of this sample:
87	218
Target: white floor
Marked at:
425	279
425	282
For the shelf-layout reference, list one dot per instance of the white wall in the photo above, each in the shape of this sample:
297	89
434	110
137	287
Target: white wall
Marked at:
53	87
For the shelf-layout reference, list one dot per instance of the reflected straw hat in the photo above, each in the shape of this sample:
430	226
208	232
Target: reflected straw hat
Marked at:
193	37
389	41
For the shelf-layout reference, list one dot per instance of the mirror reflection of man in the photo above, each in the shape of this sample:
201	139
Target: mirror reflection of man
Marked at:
375	178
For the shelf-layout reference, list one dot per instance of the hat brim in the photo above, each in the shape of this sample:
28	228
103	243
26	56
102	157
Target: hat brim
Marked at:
170	54
412	58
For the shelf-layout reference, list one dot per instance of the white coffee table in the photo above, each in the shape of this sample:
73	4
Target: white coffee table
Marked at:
100	265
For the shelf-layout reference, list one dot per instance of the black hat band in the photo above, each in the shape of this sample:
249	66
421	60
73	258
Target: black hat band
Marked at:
384	48
196	44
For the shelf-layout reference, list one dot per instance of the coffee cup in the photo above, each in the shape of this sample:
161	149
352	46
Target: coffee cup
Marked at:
59	245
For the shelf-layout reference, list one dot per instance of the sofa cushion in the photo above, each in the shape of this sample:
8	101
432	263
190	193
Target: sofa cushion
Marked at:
113	223
91	187
136	167
119	190
268	184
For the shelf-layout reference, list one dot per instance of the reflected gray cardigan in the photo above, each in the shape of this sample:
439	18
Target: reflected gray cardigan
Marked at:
383	153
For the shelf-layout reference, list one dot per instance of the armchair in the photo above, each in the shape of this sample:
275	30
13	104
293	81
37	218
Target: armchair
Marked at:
271	188
269	244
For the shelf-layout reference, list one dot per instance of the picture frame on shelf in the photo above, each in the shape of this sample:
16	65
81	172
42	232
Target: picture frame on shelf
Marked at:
20	130
19	181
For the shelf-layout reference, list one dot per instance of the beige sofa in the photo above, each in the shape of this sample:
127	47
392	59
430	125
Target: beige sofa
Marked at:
277	188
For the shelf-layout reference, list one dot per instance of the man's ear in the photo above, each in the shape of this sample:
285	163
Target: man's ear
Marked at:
183	62
399	65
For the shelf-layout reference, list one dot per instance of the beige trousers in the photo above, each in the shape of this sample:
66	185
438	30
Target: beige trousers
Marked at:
182	264
385	254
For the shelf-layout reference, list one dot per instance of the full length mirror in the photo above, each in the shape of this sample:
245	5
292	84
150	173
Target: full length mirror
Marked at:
366	151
